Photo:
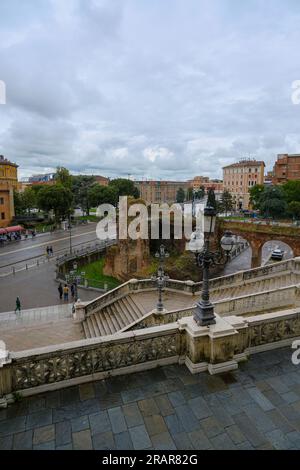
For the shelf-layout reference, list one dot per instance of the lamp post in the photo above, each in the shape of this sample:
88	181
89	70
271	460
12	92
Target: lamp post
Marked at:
161	278
204	313
70	228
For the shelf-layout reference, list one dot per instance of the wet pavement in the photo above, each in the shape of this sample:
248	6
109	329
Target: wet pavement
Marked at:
254	407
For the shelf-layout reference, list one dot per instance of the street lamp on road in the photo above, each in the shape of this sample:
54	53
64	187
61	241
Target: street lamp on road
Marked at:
204	313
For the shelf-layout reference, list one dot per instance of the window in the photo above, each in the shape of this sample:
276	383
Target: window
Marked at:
1	201
2	215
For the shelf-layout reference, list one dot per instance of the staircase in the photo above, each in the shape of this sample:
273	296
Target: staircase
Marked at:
120	314
114	317
255	286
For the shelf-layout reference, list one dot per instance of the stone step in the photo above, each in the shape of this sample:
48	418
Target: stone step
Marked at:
130	312
136	304
99	321
118	318
106	322
136	312
86	330
127	317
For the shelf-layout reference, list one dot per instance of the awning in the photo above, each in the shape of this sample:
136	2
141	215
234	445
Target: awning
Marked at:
15	228
2	231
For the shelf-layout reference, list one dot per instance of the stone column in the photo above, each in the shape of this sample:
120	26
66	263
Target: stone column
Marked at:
5	374
256	247
212	348
79	315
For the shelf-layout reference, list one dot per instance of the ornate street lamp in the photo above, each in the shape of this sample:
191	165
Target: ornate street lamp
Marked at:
161	278
204	313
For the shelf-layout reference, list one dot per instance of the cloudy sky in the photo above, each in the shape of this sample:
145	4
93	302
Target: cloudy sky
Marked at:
151	88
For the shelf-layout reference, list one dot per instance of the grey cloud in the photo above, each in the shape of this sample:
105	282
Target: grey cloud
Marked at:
156	89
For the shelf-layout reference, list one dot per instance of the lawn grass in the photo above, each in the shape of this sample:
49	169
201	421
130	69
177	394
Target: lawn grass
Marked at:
95	277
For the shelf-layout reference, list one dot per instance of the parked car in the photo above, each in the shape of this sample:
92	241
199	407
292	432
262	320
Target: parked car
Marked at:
277	254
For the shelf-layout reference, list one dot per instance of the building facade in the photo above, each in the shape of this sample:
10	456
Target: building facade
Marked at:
206	183
101	180
47	178
286	168
160	191
240	177
8	183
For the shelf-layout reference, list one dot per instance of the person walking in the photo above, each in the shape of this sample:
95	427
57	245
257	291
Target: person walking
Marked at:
73	290
18	305
66	293
51	250
60	290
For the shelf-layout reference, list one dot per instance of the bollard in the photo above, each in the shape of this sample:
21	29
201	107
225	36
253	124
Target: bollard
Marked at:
26	267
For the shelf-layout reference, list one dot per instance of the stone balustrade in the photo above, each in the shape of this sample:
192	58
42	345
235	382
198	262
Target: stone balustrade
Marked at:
291	267
217	349
282	297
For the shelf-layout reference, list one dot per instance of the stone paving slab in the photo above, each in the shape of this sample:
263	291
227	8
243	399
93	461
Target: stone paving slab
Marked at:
247	409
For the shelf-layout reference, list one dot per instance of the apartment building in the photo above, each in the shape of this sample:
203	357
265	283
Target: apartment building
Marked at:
160	191
206	183
286	168
239	177
8	183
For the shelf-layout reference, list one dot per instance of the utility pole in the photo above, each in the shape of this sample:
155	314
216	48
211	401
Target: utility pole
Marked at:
70	228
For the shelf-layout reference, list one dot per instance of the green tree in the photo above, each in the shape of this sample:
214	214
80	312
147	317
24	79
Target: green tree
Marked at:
211	199
102	195
56	198
226	202
63	177
189	194
80	186
18	203
255	194
25	201
200	193
180	197
272	202
291	191
124	187
294	209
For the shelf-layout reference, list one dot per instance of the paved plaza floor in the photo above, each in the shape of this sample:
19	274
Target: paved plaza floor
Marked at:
255	407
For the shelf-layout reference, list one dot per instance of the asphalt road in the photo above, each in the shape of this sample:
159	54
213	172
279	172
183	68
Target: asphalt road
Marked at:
243	261
17	254
36	286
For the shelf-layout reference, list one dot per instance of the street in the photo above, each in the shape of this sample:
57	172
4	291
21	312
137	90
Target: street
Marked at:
36	286
243	261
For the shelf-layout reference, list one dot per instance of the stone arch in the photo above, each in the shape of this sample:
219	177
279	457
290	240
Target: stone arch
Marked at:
289	252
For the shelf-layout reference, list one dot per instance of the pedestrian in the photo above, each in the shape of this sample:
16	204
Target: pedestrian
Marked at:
60	290
66	293
18	305
72	290
51	250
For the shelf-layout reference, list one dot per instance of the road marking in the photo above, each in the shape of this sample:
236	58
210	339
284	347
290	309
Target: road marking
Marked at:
46	243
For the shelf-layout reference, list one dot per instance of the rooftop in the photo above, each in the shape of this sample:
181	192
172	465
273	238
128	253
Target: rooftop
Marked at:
255	407
4	161
243	163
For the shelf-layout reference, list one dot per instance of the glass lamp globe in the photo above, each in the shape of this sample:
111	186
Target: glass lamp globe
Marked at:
196	242
227	242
